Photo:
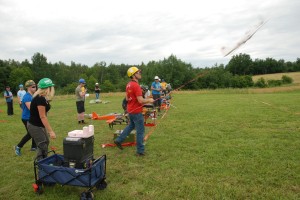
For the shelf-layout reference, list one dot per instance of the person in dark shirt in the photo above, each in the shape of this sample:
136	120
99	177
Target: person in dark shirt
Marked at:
9	101
97	91
38	126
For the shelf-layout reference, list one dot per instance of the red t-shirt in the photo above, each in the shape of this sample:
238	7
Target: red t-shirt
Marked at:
133	90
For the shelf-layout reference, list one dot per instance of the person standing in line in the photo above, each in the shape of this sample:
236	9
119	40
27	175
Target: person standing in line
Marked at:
9	101
146	94
38	126
156	90
80	92
20	94
97	91
26	101
163	85
135	103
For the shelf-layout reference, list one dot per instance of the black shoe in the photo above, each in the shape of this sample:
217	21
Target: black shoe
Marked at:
118	145
140	154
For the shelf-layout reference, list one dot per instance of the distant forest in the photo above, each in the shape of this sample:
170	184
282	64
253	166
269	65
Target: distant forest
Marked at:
112	78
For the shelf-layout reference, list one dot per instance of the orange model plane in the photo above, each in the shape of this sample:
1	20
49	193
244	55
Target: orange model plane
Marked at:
112	118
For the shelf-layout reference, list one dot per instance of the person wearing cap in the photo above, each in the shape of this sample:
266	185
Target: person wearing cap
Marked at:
97	91
9	101
135	101
26	101
38	125
80	92
156	90
20	94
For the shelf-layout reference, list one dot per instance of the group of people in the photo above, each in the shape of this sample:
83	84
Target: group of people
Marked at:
160	90
136	97
35	103
132	104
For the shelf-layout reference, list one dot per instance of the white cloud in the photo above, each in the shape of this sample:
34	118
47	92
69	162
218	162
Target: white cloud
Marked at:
135	31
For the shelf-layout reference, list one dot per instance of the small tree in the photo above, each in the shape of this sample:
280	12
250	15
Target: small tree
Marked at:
91	83
286	79
261	83
19	76
107	86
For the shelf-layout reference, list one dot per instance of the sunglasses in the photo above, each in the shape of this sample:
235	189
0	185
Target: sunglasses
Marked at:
33	86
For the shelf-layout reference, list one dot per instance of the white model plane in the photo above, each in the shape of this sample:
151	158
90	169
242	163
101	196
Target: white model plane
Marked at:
226	51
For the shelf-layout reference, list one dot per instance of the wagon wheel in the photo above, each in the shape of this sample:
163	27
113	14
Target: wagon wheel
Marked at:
38	188
101	185
87	195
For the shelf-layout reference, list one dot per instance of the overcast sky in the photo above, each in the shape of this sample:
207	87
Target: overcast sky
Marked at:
136	31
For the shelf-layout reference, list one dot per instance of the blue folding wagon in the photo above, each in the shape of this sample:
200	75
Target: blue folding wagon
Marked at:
52	170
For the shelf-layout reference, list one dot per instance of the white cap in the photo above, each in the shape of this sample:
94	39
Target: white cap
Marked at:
156	78
96	83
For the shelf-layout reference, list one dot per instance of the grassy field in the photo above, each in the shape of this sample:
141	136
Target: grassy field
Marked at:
221	144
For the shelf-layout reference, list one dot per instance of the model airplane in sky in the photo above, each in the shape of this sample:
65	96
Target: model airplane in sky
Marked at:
226	51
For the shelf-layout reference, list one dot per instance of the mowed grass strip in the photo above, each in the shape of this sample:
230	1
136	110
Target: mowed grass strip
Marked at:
210	145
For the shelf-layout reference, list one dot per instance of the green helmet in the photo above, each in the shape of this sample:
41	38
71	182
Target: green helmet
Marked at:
45	83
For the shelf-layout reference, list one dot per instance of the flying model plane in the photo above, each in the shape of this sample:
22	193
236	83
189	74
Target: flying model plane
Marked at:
249	34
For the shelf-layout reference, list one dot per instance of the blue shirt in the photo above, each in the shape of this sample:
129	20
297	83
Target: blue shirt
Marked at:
156	85
26	112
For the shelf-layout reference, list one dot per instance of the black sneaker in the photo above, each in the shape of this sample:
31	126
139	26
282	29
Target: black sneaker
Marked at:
140	154
118	145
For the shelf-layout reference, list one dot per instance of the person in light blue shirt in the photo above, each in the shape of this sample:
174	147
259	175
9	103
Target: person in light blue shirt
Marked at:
20	94
156	91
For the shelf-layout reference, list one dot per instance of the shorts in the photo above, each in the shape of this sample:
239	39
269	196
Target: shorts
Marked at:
80	106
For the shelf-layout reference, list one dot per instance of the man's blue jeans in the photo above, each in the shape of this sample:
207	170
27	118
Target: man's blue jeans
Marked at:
137	122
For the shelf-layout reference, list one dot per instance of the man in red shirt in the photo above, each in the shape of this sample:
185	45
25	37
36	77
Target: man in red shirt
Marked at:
135	103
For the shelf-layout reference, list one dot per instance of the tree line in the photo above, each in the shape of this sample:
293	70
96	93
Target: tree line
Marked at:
113	78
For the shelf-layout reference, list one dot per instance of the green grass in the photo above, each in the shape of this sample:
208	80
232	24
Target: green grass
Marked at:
210	145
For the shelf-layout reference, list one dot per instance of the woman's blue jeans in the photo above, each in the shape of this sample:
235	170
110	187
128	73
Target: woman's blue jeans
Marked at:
137	122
